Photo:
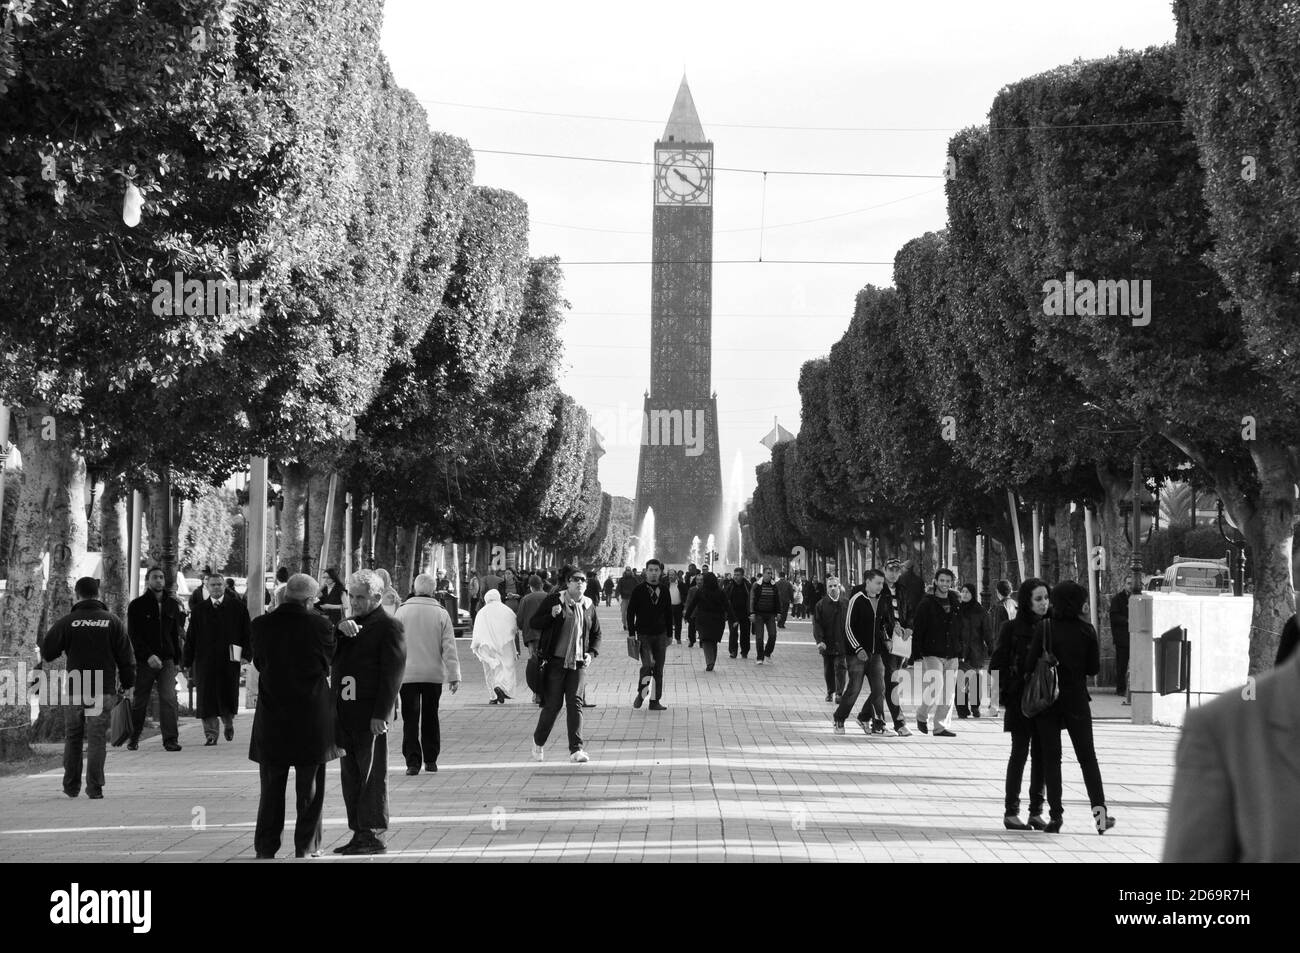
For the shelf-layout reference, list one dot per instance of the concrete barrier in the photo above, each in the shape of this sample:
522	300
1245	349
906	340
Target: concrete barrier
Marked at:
1218	628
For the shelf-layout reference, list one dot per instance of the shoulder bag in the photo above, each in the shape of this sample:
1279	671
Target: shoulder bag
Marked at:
1043	685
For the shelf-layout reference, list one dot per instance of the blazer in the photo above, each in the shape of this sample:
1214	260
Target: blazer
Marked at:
368	667
1237	776
294	721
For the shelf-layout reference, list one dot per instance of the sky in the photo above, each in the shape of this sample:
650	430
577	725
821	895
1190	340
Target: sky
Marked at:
869	87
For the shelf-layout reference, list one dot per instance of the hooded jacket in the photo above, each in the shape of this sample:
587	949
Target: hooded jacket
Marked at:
936	631
95	641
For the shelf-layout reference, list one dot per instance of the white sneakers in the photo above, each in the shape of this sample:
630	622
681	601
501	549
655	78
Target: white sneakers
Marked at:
579	757
537	752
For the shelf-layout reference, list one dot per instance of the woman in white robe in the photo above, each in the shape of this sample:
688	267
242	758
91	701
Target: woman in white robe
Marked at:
496	644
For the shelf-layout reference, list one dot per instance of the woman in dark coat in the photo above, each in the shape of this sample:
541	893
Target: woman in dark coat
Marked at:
1009	662
332	597
976	647
708	608
1074	642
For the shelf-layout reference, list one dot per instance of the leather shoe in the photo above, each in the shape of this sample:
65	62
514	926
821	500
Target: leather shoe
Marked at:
412	771
430	767
95	795
368	846
945	733
171	746
343	848
230	732
656	705
133	745
1012	822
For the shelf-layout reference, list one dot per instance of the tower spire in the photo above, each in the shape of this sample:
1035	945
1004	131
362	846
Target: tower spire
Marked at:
684	121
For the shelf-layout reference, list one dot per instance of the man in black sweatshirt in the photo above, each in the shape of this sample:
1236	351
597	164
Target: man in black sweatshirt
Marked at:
868	623
650	622
155	622
936	644
764	607
99	659
737	592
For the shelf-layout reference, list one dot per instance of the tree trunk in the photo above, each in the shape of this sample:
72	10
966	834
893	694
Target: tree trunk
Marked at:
965	558
295	480
1063	536
402	561
318	501
51	518
115	540
1269	527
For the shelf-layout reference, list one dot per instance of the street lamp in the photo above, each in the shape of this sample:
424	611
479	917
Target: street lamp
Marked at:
1236	555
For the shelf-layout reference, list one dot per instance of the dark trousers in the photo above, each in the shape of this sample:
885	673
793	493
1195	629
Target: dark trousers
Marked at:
1025	743
309	791
780	618
654	653
563	687
741	627
835	672
677	624
970	690
691	633
92	731
857	670
165	679
421	740
764	620
1121	668
1079	725
710	651
880	672
363	769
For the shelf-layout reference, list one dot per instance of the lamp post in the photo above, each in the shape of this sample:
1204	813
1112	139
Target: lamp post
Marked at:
1236	556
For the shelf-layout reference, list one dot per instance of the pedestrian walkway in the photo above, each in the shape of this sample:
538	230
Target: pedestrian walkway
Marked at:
743	766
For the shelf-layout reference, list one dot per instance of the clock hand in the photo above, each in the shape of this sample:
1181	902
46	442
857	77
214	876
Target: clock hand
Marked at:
678	173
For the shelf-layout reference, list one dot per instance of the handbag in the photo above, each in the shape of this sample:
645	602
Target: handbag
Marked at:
901	645
1043	687
535	674
634	647
119	731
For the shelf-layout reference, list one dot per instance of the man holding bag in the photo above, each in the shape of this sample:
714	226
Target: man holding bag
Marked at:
97	647
570	640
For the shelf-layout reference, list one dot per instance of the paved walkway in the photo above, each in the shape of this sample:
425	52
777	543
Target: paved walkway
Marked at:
743	766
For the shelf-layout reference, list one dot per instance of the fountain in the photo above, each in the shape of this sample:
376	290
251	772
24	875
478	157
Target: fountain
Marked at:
709	552
646	537
732	502
695	550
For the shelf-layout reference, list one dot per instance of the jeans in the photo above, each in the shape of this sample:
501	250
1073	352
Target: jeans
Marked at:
1025	743
212	726
856	671
421	739
309	790
564	686
761	621
835	672
1079	725
938	685
880	670
654	653
145	679
363	769
740	626
82	726
677	624
622	608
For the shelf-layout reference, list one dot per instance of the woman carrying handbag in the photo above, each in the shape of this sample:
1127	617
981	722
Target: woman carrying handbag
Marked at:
1077	650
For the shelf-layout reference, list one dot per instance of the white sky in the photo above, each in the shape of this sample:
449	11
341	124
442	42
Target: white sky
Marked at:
816	63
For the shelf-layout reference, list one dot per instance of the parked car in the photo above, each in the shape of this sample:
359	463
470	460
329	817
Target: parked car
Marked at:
1155	584
1198	577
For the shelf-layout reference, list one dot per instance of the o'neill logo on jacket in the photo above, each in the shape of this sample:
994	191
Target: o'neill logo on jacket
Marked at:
98	907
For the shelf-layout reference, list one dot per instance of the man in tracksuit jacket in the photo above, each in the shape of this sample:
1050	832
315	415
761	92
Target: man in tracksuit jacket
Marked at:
764	607
936	644
828	622
99	659
650	622
868	623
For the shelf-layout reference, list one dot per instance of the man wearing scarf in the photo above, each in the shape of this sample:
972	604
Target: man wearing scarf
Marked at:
650	622
570	639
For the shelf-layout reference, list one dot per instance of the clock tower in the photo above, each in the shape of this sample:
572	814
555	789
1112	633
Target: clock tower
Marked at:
679	473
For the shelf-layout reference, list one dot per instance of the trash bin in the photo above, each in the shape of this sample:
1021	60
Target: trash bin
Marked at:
1173	660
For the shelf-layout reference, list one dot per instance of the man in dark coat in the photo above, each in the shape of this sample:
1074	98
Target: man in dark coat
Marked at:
737	592
215	649
294	723
99	658
828	623
568	642
368	668
1119	634
784	589
650	622
936	644
155	622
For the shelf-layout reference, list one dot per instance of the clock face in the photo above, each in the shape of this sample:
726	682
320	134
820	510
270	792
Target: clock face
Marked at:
683	177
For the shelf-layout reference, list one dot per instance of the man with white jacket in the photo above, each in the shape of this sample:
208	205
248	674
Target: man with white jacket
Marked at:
431	660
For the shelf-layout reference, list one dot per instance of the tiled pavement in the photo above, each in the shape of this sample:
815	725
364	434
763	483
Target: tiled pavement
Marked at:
743	766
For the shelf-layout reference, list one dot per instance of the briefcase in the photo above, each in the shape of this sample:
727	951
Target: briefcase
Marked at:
119	730
634	647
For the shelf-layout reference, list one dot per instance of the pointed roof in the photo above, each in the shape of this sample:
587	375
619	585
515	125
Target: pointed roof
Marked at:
684	121
778	435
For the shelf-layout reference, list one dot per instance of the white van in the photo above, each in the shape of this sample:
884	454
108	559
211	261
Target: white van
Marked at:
1198	577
